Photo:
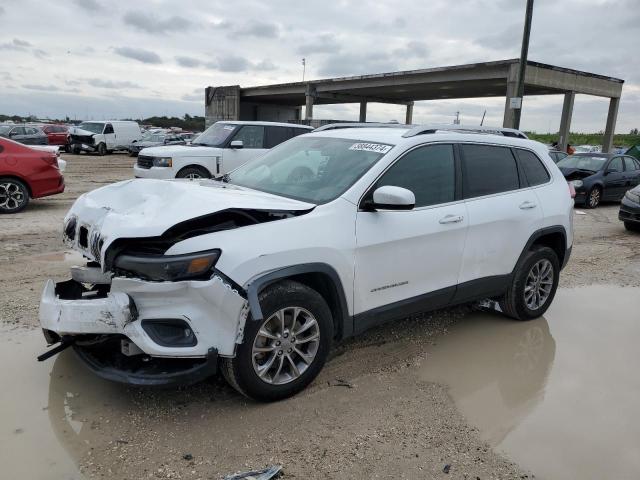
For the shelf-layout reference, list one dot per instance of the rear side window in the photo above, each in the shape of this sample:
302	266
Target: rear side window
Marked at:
532	167
616	165
429	172
276	135
631	163
488	170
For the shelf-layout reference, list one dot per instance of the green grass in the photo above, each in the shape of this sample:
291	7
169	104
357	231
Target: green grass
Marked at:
619	140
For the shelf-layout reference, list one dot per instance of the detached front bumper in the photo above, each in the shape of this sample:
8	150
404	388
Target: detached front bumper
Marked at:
629	211
116	332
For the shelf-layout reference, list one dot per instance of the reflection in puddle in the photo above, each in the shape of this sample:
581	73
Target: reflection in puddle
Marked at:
559	396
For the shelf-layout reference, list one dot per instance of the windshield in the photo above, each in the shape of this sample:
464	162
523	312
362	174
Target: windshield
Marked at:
315	170
582	162
4	129
215	135
92	127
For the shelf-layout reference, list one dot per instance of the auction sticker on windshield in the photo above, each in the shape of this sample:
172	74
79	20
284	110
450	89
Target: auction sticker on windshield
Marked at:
371	147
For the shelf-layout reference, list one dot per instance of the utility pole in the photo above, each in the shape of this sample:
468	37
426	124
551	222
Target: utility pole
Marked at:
524	52
304	67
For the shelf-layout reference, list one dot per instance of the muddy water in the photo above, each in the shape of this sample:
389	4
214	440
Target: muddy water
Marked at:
559	395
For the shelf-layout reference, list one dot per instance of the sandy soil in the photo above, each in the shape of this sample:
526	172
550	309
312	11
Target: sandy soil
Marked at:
383	424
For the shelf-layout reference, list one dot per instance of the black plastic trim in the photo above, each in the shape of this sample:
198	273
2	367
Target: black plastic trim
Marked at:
255	286
540	233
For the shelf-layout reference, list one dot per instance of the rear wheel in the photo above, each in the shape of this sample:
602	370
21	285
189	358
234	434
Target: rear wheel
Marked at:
283	353
535	281
193	173
593	198
632	226
14	195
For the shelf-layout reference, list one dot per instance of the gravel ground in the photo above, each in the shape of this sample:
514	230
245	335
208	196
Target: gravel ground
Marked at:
367	416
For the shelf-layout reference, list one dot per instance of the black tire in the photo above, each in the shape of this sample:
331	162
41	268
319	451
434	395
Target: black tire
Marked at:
632	226
102	149
75	150
513	303
193	173
593	198
240	371
14	195
67	148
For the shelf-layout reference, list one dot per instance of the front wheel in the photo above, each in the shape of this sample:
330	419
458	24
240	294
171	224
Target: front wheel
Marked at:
285	351
534	285
593	198
193	173
14	195
102	149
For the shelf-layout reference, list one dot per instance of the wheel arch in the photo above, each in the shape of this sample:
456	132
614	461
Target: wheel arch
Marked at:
23	180
195	165
319	276
554	237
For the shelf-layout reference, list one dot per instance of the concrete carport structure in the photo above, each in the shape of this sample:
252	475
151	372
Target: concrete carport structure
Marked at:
283	102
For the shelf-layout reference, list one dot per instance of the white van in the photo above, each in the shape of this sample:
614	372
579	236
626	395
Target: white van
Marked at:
104	136
218	150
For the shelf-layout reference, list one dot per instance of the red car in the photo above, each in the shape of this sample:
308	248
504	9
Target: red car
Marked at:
26	173
57	134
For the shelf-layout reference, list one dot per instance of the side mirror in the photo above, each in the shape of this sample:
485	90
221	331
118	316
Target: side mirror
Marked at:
236	144
392	198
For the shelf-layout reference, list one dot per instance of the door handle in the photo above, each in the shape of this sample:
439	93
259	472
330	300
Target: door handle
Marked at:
451	219
527	205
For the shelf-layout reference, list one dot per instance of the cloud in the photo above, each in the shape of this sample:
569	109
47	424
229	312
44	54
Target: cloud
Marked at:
101	83
324	43
188	62
151	24
358	64
259	29
43	88
507	39
89	5
15	44
196	96
38	53
230	63
2	10
412	49
140	54
265	65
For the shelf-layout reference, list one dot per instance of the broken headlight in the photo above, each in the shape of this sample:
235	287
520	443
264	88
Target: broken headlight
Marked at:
577	183
162	161
168	267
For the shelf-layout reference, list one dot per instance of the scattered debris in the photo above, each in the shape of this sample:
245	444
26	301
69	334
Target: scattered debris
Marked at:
579	212
446	468
341	383
187	456
266	474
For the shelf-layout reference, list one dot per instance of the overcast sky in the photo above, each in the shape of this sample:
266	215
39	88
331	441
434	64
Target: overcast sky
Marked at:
113	59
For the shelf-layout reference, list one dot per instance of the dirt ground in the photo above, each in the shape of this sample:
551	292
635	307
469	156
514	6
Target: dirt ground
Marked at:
366	416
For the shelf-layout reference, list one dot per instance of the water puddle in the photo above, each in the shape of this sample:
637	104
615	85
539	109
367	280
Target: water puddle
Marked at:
558	395
68	256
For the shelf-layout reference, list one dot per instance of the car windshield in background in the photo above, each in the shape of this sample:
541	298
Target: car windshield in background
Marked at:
92	127
215	135
4	129
315	170
582	162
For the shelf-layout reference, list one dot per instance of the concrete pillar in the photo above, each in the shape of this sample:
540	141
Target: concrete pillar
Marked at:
363	111
565	120
309	95
512	91
409	117
221	103
612	116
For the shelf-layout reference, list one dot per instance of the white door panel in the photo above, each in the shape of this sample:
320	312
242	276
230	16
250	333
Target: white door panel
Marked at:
499	228
403	254
234	157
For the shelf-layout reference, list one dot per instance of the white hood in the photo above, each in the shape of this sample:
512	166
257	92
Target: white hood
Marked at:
80	131
147	208
181	151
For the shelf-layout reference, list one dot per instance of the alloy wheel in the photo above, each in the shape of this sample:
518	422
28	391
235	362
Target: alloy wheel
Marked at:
193	176
11	196
594	198
539	284
285	346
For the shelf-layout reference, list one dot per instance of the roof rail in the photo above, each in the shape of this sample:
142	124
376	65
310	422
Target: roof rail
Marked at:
336	126
425	129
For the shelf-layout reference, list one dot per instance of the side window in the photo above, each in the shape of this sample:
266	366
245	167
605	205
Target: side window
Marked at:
108	128
31	131
17	131
275	136
616	165
487	170
429	172
533	168
631	163
252	136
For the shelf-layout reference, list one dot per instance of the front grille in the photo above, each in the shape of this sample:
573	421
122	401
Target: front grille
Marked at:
96	243
145	161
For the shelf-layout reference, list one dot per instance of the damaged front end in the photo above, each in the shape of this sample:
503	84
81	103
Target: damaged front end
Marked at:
134	313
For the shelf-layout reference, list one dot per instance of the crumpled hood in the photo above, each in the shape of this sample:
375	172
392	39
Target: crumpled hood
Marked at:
182	151
575	173
80	131
147	208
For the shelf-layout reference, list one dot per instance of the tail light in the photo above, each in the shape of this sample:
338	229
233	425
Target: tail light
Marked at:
572	190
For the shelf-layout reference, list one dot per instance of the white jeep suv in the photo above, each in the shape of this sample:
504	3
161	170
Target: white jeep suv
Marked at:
218	150
256	273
